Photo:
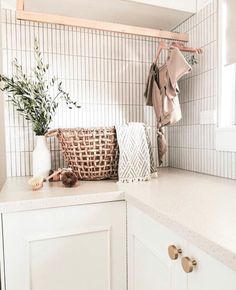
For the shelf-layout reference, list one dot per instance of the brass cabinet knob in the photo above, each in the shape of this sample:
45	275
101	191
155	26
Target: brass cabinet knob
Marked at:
188	264
174	252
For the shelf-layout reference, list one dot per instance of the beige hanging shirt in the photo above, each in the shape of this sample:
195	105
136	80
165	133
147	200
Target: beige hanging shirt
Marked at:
164	95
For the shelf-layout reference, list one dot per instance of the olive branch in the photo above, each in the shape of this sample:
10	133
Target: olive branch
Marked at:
32	95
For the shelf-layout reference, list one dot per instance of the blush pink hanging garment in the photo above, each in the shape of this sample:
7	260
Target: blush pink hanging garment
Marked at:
162	93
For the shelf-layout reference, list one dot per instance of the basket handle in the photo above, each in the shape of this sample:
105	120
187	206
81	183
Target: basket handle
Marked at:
51	133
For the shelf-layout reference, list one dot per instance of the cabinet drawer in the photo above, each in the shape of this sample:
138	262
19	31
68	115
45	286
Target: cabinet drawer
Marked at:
152	231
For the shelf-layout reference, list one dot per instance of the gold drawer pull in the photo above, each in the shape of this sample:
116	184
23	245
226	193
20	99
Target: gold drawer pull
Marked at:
188	264
174	252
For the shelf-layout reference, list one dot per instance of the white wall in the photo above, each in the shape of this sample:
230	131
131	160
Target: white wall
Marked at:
202	3
192	140
105	71
2	145
2	127
9	4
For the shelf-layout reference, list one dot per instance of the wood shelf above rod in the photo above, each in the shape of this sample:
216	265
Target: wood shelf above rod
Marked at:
22	14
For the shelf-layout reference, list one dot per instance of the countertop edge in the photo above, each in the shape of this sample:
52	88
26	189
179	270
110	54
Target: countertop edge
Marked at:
213	249
60	201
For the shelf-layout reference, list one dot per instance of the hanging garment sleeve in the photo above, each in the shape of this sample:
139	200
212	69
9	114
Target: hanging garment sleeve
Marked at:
162	144
149	86
177	67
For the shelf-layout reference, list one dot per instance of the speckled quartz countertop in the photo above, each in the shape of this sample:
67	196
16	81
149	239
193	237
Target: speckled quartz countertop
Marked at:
200	208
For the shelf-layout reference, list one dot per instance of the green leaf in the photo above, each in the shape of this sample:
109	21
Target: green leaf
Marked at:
31	94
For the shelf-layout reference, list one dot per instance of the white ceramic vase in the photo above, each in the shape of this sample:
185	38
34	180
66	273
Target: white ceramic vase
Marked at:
41	157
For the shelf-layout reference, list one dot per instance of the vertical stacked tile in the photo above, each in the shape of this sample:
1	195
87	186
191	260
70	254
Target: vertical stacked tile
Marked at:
191	141
106	72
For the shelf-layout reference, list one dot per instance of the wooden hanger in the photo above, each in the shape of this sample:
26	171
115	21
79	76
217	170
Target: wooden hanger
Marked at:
180	46
162	45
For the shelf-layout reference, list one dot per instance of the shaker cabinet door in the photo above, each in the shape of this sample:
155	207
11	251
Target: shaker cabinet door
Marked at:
209	274
77	247
149	266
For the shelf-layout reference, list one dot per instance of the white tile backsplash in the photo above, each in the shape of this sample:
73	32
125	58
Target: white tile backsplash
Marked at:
191	143
105	71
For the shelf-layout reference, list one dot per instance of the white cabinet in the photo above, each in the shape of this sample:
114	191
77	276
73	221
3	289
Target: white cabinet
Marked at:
77	247
84	248
149	266
153	14
209	273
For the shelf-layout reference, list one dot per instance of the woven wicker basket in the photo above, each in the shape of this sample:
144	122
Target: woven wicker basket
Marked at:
92	153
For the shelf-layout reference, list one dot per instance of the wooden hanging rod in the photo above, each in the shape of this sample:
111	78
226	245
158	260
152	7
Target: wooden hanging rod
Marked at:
22	14
20	5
